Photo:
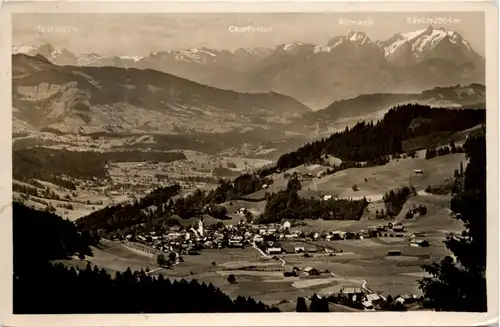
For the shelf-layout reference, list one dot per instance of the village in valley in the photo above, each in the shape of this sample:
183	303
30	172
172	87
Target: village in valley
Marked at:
294	250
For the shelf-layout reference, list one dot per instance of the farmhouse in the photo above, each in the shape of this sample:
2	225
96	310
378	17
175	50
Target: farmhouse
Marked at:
258	238
418	171
373	298
418	234
175	228
235	244
236	241
311	250
419	243
406	298
338	235
394	252
291	236
299	249
274	250
398	228
310	271
327	197
351	291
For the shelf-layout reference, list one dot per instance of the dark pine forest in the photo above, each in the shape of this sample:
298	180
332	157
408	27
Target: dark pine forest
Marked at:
369	142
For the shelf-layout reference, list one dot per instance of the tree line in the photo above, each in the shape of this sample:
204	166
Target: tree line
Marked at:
151	212
367	141
287	204
395	199
442	151
46	292
125	215
459	283
50	164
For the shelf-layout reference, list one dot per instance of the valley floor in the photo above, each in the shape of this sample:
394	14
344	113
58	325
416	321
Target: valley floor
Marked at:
362	263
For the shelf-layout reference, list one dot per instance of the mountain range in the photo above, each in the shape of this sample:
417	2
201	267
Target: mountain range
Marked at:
316	75
76	99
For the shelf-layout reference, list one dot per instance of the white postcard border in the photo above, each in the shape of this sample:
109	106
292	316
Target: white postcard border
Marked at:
274	319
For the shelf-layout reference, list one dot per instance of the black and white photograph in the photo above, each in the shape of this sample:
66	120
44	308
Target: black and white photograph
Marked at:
275	162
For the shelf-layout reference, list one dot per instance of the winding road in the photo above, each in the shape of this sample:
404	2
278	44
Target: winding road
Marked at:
266	255
337	278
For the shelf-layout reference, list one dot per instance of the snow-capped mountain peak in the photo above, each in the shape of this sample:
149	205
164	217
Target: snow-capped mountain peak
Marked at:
86	59
290	46
53	54
422	41
24	49
353	38
134	58
357	37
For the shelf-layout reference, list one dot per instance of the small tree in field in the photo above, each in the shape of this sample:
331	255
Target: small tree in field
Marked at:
301	305
161	261
231	279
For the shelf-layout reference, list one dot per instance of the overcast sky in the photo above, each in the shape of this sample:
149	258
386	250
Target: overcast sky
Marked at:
140	34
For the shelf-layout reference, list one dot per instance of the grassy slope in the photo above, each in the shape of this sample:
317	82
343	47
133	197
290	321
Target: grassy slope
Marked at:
381	179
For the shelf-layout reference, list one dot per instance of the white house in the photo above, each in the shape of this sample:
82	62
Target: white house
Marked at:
327	197
419	243
299	249
201	228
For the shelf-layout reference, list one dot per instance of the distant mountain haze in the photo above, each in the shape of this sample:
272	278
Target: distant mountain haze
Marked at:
74	99
112	99
314	74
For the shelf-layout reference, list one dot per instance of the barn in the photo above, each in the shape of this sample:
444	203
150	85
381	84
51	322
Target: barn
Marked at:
310	271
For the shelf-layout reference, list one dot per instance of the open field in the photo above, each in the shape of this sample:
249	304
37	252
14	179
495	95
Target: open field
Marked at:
362	262
381	179
132	180
114	257
83	201
437	221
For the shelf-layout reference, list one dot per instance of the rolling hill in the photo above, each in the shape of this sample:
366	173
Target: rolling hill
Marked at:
118	100
368	107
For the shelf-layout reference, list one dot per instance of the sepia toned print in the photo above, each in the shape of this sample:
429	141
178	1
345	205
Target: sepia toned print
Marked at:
280	162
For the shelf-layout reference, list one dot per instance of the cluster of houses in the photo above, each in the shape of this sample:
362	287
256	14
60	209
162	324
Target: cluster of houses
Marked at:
268	237
373	301
191	240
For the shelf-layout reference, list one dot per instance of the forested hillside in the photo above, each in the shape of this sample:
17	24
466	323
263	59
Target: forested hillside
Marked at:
41	287
52	165
151	212
368	141
287	204
459	283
